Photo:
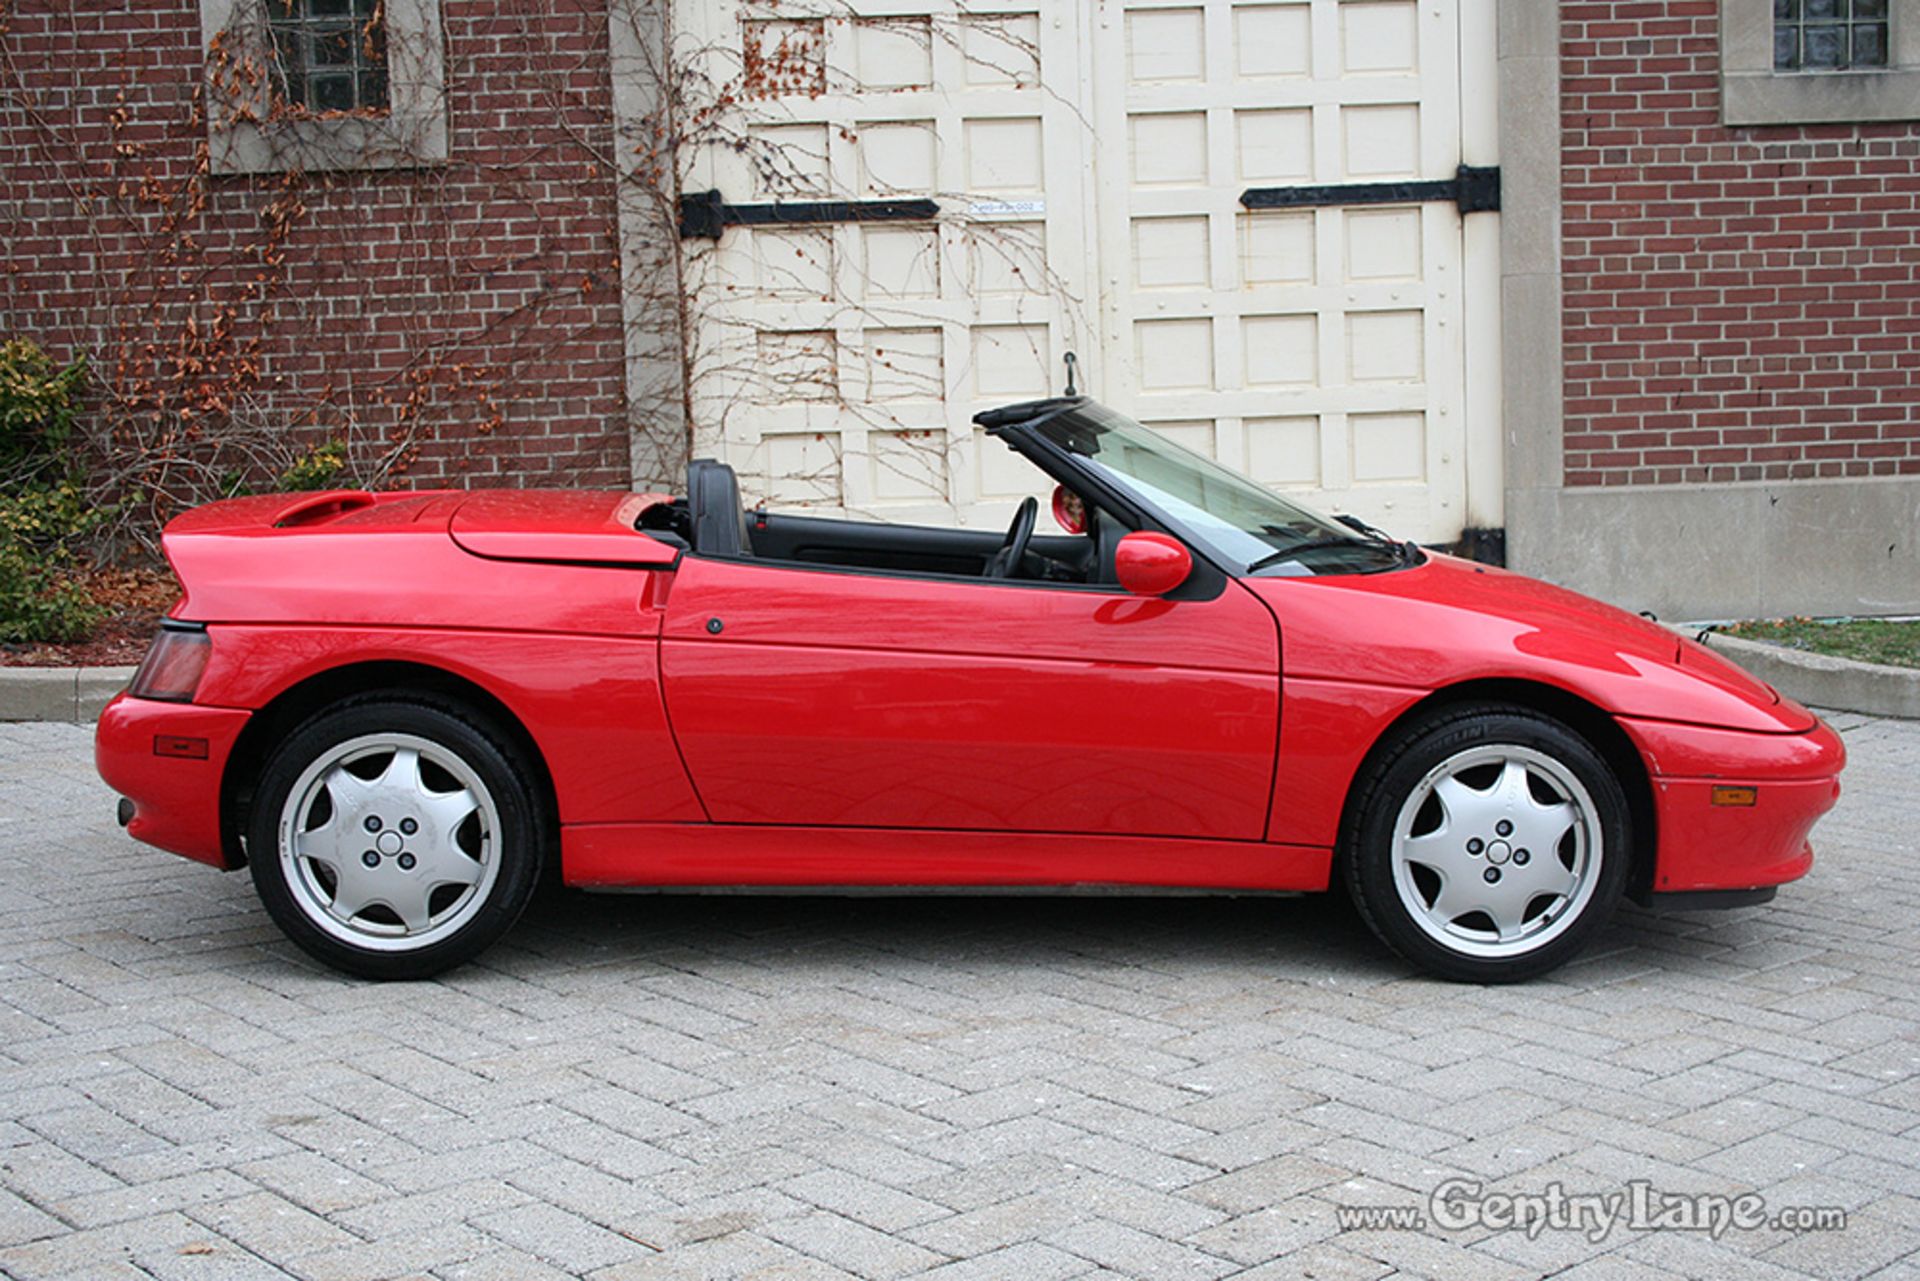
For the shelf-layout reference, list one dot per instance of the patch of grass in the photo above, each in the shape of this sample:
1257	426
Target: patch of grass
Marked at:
1865	640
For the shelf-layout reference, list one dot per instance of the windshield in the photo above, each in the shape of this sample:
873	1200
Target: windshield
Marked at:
1240	523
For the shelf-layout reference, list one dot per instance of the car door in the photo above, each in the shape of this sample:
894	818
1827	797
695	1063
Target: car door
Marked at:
847	698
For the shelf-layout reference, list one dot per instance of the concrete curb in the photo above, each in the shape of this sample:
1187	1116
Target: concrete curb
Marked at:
1820	680
59	693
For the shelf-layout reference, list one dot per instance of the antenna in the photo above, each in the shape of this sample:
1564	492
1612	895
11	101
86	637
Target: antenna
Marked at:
1073	365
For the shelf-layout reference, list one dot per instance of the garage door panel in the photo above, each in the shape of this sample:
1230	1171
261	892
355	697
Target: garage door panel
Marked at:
1277	249
893	53
1283	450
792	263
1272	41
1380	141
1379	36
898	262
999	50
1382	244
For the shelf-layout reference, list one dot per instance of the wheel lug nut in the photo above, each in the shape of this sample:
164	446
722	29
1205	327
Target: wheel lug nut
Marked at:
1492	874
1475	845
408	826
1503	828
373	822
1520	858
370	858
406	862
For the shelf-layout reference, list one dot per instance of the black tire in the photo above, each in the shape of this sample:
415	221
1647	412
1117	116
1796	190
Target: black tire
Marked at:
1410	901
505	837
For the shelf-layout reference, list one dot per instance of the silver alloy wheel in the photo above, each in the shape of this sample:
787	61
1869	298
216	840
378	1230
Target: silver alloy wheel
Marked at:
379	852
1497	851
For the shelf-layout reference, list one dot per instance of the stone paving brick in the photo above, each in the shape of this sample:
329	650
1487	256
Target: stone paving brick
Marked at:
1281	1231
43	1173
20	1221
101	1247
1130	1252
853	1246
1768	1158
1616	1267
874	1204
750	1209
404	1256
397	1216
1322	1262
1004	1223
148	1199
218	1264
1002	1103
561	1238
1504	1153
271	1227
116	1270
310	1180
1421	1255
1027	1261
1266	1183
617	1154
1691	1254
503	1265
630	1208
1020	1088
741	1254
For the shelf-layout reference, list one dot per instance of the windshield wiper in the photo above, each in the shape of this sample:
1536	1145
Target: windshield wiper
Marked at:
1361	527
1318	545
1407	550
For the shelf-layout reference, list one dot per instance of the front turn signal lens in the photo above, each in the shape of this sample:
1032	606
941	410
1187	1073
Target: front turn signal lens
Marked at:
1740	796
171	671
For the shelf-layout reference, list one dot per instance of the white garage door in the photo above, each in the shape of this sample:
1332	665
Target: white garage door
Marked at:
1090	170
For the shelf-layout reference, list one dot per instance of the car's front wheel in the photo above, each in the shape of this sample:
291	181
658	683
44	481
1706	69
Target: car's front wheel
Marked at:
1487	843
394	837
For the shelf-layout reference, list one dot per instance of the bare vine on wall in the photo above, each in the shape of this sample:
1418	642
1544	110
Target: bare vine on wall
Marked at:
729	97
339	304
346	297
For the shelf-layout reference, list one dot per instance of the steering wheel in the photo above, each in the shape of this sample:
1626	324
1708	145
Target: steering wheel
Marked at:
1013	549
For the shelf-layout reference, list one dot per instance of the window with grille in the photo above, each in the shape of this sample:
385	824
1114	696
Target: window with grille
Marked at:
332	54
1829	35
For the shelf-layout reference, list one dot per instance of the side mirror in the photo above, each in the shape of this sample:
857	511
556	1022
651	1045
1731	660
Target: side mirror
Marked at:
1069	511
1151	564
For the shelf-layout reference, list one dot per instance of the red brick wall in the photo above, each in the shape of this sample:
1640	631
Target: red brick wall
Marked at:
1741	303
472	305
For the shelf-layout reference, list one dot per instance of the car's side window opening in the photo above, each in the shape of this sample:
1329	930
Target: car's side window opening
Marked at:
712	521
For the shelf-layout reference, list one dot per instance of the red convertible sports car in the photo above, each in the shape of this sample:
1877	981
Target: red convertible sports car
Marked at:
398	709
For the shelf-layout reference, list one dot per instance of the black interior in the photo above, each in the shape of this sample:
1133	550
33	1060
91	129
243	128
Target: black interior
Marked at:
713	523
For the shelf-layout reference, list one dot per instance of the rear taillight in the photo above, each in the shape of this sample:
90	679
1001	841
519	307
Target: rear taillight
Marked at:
172	668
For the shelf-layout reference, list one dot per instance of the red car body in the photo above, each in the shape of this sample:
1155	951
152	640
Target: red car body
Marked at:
719	722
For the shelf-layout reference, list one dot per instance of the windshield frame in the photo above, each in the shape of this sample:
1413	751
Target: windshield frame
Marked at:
1337	547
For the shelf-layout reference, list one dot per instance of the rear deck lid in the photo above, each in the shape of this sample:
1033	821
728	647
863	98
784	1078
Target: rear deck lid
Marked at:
560	526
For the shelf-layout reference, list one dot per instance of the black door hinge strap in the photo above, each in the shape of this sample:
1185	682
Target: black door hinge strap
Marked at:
1474	188
704	214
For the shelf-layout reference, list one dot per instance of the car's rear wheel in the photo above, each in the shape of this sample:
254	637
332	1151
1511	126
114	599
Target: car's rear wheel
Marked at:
1487	843
395	837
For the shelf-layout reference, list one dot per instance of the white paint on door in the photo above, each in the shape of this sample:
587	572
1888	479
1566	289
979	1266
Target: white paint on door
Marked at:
1088	161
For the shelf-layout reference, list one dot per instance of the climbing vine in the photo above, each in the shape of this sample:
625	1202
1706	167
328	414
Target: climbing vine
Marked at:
371	326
